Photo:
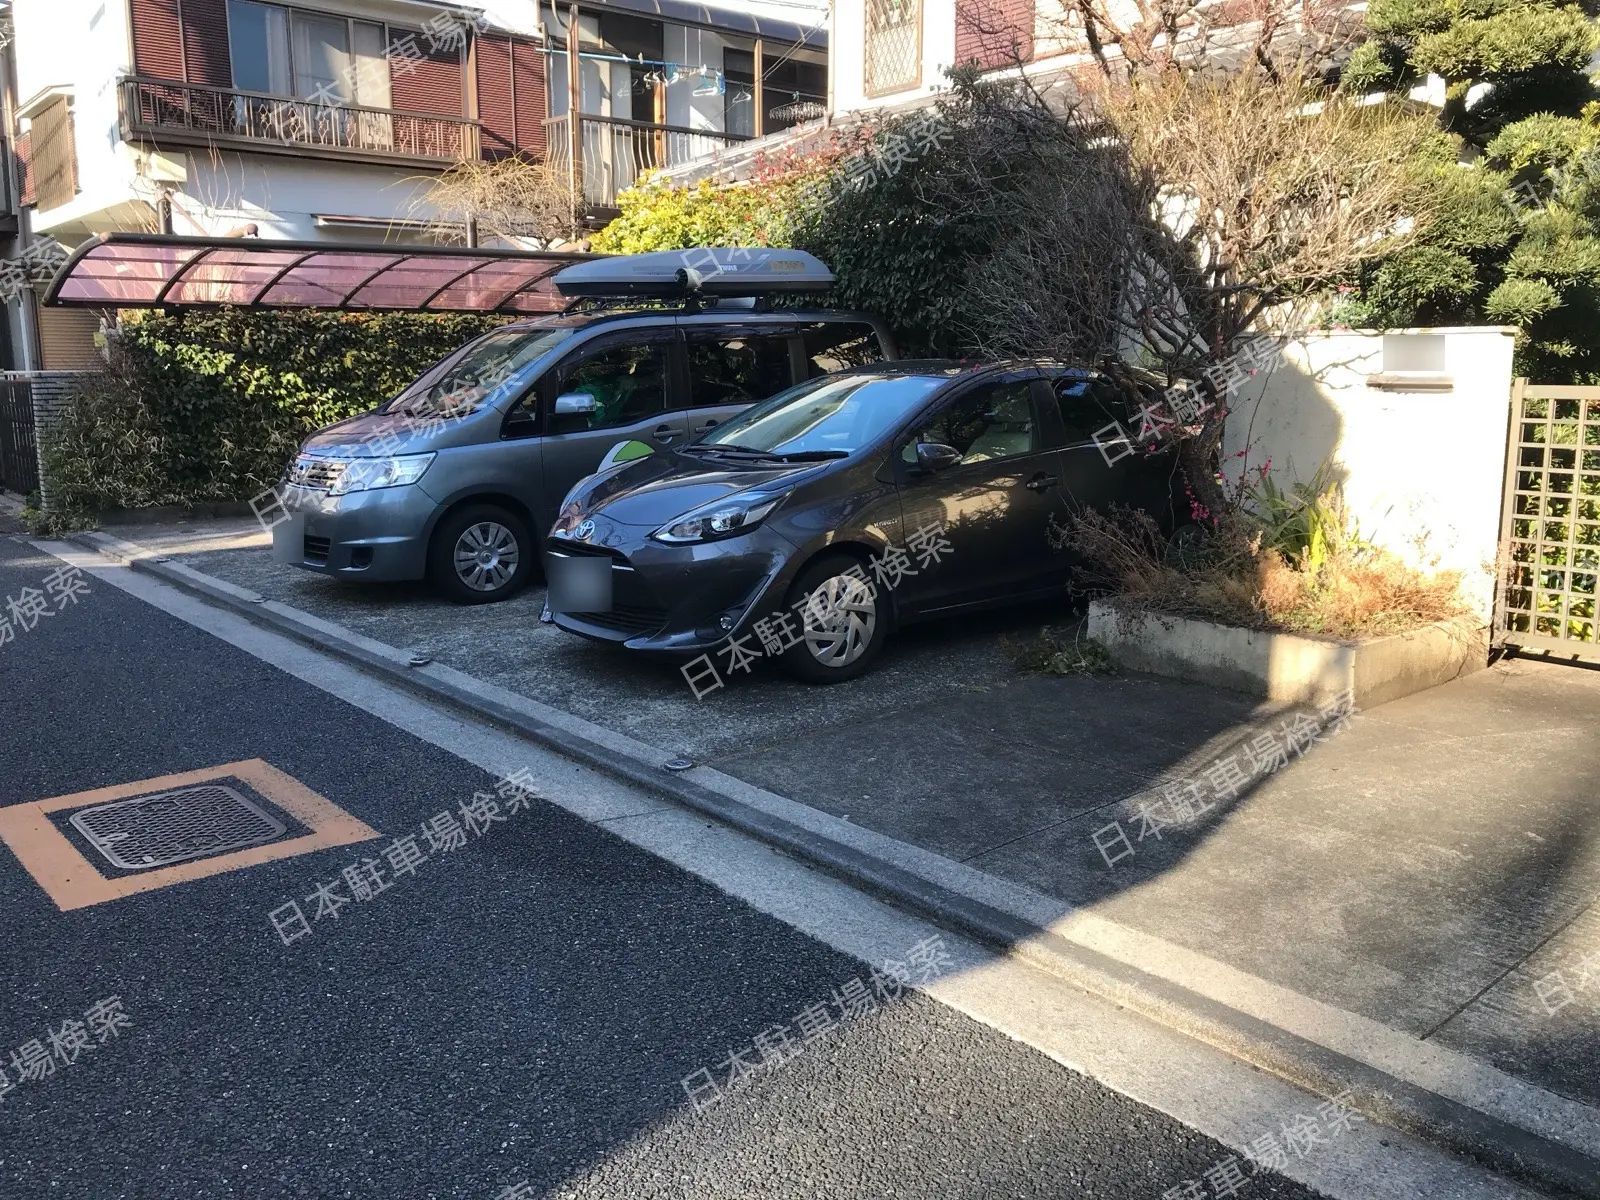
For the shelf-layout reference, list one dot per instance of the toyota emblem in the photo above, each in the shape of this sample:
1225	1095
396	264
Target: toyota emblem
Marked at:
584	531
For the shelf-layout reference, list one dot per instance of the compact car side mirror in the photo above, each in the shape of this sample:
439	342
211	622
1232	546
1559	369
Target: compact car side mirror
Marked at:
574	402
936	456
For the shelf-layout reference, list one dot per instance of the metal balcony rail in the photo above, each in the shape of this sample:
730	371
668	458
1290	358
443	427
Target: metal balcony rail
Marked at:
614	152
187	111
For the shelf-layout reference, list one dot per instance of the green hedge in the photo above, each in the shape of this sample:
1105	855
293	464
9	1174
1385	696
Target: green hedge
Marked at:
204	407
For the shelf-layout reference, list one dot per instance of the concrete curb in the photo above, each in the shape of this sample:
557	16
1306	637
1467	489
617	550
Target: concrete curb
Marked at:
1398	1103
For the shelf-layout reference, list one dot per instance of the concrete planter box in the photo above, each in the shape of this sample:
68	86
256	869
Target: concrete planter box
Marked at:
1290	668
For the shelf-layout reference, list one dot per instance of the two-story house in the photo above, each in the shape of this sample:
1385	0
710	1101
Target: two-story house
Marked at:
327	119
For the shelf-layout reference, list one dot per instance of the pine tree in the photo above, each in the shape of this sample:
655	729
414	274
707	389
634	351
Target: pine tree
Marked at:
1521	243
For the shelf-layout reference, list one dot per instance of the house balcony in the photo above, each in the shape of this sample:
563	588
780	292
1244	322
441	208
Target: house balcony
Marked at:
614	152
168	113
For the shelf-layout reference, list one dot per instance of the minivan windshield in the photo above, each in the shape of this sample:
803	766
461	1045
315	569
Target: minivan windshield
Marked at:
478	373
829	417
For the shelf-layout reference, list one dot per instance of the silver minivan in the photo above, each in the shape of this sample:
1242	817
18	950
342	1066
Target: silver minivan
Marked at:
458	477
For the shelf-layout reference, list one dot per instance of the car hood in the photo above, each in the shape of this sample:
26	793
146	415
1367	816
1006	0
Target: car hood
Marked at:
375	433
651	491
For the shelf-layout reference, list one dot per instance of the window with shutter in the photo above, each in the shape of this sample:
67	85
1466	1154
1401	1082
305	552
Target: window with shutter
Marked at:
55	155
511	96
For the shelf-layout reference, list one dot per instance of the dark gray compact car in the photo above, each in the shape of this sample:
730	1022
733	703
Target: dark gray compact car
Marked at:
455	478
809	525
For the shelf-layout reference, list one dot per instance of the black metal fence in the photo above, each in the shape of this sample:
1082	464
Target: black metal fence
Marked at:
19	451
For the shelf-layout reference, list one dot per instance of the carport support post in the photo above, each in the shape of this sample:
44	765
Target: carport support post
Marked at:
574	120
758	93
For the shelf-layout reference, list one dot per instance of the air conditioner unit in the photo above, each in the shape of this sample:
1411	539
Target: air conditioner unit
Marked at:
669	274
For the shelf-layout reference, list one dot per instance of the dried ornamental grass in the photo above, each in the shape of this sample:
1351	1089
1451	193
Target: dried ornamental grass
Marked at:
1350	590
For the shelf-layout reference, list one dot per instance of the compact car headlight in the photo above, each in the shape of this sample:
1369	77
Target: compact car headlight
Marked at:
722	519
369	474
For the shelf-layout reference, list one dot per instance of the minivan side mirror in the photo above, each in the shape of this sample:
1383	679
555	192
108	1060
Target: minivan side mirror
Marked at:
571	403
934	457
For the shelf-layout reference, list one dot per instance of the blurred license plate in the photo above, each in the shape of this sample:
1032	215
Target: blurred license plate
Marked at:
289	539
579	585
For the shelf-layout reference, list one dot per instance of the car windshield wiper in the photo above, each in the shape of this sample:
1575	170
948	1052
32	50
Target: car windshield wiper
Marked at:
718	448
770	455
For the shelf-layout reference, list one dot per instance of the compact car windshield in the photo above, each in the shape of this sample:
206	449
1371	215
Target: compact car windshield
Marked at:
834	415
478	373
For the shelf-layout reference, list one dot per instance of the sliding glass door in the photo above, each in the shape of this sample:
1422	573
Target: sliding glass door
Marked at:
329	62
322	66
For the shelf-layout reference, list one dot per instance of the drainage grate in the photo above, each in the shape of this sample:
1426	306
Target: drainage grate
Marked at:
172	827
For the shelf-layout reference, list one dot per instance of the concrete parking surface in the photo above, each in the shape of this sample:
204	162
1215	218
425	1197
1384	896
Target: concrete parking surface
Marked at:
1431	865
520	1011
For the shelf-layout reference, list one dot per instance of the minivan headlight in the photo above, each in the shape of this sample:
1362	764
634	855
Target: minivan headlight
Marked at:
368	474
725	518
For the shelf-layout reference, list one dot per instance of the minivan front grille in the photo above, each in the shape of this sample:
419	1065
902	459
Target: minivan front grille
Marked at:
317	473
316	548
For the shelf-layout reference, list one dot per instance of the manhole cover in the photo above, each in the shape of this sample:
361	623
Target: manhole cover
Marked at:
171	827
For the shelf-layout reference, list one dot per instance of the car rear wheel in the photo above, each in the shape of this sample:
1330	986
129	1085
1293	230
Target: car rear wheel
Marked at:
843	622
480	554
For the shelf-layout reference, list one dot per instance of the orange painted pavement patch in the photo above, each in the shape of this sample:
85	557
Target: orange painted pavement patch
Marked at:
71	880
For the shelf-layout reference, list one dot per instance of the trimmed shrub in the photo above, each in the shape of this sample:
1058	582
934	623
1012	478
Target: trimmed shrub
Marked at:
202	407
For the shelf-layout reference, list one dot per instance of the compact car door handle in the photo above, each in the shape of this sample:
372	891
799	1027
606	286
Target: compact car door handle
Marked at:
663	433
1042	482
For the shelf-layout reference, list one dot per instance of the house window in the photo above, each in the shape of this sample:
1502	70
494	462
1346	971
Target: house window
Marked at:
893	51
286	52
258	43
739	96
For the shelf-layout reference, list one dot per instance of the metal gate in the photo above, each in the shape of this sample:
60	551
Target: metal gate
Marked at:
1550	523
19	454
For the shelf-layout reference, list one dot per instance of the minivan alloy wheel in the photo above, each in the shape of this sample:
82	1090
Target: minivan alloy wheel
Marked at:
839	618
486	556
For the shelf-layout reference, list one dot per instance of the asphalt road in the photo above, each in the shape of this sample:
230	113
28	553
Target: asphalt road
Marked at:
522	1009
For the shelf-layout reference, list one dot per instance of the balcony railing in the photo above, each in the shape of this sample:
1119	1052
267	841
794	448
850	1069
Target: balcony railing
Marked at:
615	152
197	114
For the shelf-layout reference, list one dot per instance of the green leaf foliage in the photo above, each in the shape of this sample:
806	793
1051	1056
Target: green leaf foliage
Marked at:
1518	242
1422	285
1521	301
209	406
1513	40
897	253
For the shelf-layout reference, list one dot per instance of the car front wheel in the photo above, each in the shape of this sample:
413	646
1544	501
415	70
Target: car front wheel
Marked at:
843	622
480	554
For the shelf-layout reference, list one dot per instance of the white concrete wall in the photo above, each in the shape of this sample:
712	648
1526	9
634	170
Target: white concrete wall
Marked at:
847	45
1052	32
1421	471
281	195
82	46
